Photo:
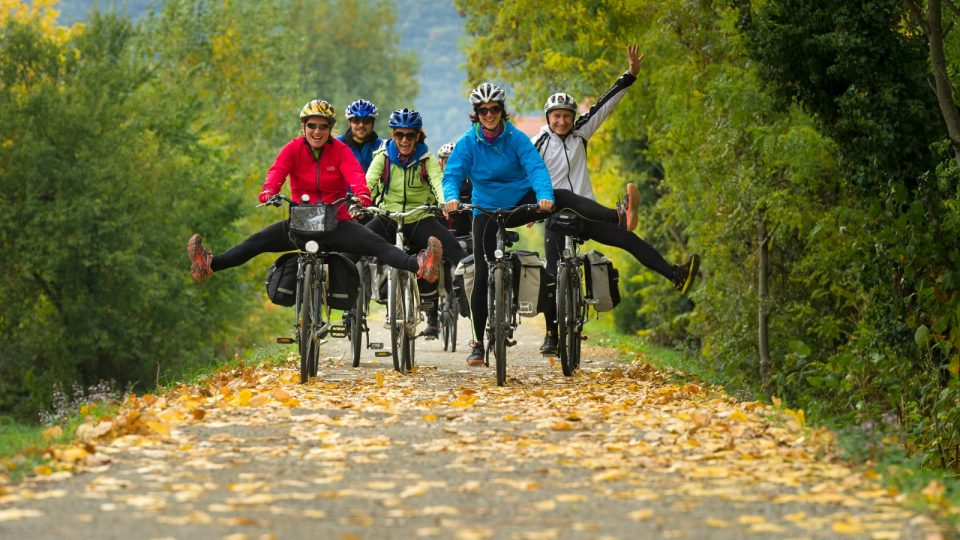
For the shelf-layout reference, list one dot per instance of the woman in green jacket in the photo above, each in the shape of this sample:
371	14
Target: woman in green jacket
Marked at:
403	175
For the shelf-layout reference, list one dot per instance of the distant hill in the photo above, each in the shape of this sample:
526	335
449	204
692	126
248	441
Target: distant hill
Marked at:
431	28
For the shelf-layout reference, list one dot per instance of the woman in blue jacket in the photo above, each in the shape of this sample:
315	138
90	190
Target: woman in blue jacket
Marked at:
506	171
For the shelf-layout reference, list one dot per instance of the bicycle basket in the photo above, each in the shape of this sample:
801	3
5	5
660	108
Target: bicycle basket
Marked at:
313	218
566	223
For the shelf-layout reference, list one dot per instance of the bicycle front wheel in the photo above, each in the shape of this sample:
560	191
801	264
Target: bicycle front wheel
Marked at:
500	316
397	310
305	323
568	320
411	302
357	319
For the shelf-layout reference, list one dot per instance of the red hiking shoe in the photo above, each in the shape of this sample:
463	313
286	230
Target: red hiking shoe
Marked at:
429	260
200	258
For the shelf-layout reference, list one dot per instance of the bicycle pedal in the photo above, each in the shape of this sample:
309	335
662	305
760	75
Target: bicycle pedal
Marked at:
286	340
338	331
511	342
375	345
583	337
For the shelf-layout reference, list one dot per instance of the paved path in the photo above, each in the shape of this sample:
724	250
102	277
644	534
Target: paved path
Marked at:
616	452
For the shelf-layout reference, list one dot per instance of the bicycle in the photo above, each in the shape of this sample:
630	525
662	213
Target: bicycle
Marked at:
502	308
571	306
312	312
403	296
355	319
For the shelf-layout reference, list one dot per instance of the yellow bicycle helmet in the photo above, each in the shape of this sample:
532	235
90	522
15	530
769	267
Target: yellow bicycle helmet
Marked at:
318	107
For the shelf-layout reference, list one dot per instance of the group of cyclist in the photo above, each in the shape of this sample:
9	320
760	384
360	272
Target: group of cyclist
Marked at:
493	165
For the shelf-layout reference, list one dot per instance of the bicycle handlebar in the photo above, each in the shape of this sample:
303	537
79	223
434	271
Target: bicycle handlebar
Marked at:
278	199
399	216
500	211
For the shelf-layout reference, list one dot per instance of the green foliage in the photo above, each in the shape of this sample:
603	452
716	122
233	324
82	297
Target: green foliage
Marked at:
804	127
122	139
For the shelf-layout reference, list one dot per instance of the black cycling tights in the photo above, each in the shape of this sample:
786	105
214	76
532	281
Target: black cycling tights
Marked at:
485	241
347	237
609	235
417	234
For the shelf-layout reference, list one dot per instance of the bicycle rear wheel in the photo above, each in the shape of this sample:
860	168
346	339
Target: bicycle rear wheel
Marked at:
500	315
449	312
568	320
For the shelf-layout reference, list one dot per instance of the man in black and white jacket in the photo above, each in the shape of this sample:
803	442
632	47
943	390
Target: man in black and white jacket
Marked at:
563	145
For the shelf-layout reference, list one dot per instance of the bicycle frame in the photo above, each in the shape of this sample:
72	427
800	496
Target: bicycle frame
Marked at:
571	307
502	318
312	322
402	283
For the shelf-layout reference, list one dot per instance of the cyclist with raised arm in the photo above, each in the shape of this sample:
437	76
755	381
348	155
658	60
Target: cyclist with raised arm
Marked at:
506	171
404	175
320	169
360	137
563	145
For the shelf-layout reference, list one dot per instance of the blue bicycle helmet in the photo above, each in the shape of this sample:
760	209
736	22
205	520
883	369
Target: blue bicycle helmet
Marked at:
361	108
405	118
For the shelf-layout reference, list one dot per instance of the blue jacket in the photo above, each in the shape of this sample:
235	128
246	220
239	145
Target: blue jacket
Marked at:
362	151
501	173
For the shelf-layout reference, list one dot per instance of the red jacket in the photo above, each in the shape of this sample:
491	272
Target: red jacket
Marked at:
325	181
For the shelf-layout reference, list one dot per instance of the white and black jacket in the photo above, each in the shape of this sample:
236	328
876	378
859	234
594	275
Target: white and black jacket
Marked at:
566	159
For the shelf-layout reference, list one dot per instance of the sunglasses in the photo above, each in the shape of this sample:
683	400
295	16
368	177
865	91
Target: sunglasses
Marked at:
361	121
321	127
483	111
410	136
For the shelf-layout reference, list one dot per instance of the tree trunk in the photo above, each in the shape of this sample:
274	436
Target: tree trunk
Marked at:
763	339
948	109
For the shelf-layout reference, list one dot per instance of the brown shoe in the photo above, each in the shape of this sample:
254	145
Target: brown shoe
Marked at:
429	260
200	258
627	208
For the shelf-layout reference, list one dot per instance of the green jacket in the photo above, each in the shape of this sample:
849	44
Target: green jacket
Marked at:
406	189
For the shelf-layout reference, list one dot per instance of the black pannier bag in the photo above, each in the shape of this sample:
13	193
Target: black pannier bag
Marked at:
603	282
343	281
282	280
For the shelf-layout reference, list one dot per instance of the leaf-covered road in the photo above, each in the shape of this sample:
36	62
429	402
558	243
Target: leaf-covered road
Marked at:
616	452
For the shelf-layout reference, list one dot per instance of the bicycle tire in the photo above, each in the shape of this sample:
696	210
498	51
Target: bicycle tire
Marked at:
317	297
444	324
358	318
411	312
500	314
453	316
568	315
305	323
397	318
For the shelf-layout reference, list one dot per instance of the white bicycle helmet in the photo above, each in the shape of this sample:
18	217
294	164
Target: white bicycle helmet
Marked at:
445	151
560	101
487	92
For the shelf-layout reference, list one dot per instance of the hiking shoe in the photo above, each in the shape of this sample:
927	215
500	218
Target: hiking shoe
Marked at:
200	258
429	261
686	273
475	358
627	208
549	344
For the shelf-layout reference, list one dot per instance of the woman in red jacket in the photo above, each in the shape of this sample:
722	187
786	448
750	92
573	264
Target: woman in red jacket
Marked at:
320	168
